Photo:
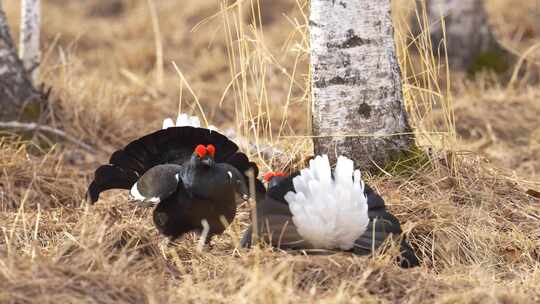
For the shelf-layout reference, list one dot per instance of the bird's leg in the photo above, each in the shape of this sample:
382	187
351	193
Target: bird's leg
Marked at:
205	236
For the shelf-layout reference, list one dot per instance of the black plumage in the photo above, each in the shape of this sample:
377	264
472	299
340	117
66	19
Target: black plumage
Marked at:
192	174
277	228
168	146
203	192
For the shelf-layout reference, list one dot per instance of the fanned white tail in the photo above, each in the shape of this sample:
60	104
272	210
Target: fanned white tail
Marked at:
184	120
329	212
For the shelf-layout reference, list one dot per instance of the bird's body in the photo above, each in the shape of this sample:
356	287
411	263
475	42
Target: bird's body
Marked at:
277	227
188	194
182	213
192	174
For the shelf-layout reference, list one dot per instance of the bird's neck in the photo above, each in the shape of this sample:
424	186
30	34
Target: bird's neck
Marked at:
195	178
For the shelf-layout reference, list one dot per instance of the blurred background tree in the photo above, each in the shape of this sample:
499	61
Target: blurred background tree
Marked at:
461	28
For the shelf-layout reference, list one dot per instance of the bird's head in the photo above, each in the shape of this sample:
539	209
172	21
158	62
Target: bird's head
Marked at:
204	155
274	177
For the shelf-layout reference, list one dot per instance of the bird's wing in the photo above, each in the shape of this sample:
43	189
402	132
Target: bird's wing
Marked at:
224	174
379	229
277	230
241	162
157	183
280	231
381	226
171	145
374	200
276	227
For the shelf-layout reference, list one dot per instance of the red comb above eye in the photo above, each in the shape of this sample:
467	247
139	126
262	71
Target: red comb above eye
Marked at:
211	150
200	150
268	176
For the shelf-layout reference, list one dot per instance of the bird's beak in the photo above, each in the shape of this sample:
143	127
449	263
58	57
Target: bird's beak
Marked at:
208	161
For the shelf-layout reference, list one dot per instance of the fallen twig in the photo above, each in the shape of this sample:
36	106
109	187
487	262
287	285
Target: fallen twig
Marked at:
31	126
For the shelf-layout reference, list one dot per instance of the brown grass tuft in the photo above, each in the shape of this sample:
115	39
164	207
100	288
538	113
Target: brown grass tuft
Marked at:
464	209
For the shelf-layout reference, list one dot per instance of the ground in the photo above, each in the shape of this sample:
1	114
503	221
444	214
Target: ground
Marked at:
464	207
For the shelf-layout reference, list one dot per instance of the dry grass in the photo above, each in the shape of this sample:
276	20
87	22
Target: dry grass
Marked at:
465	211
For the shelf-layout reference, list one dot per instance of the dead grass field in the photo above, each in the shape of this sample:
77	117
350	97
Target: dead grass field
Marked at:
465	210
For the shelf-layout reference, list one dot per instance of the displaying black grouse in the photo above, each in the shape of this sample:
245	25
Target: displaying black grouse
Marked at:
277	227
192	174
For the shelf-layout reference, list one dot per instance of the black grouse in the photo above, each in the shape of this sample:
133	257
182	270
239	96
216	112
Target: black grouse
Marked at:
192	174
278	228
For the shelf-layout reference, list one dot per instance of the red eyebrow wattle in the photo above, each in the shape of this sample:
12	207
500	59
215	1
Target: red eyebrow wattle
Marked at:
268	176
200	150
211	150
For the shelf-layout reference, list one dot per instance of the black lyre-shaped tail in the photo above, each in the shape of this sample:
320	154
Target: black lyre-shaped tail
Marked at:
172	145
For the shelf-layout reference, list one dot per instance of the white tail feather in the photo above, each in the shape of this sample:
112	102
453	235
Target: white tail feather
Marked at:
184	120
329	212
168	123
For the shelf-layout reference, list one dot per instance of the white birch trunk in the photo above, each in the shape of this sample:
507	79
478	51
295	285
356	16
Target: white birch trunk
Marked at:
469	39
29	39
356	82
17	95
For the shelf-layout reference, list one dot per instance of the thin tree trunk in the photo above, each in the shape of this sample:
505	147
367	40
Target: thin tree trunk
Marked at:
29	39
470	44
358	106
18	99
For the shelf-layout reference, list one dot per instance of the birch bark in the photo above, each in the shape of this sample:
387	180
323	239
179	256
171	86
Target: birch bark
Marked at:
358	108
18	98
29	38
